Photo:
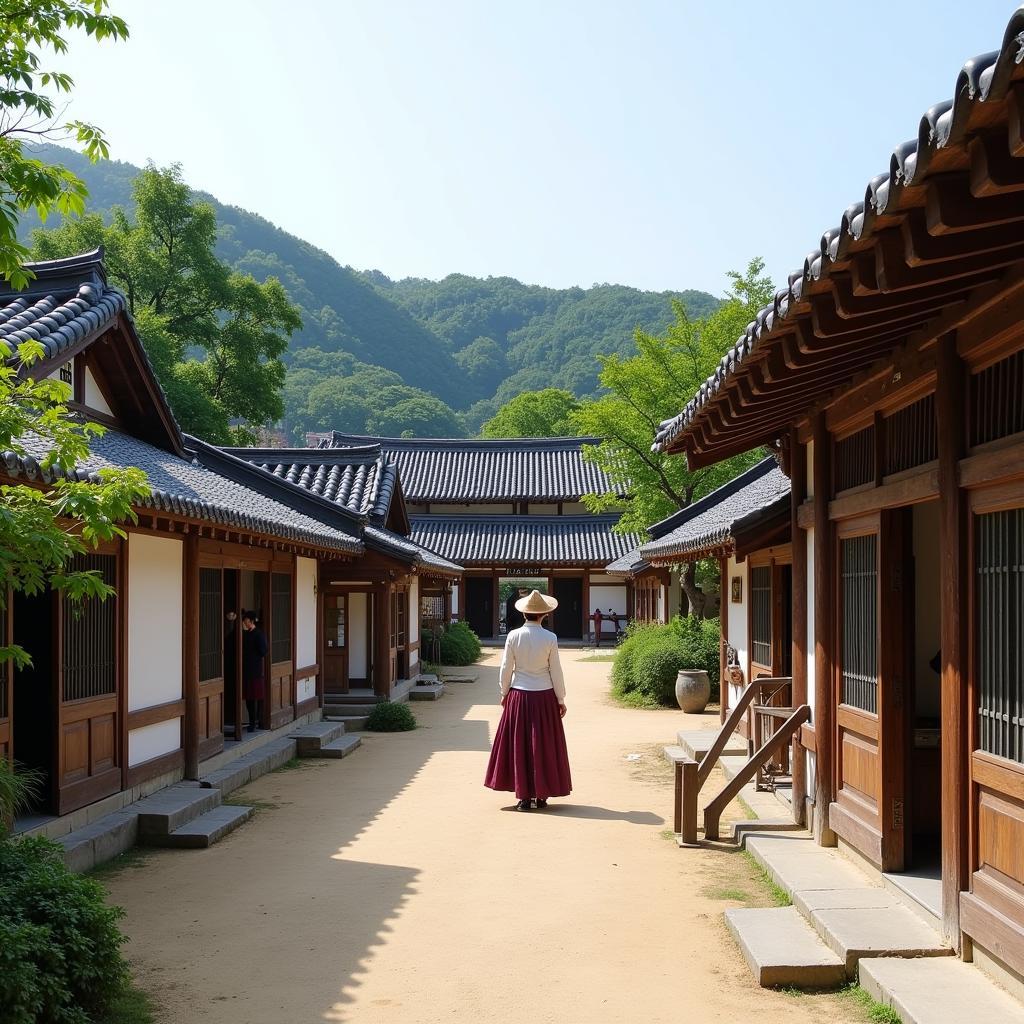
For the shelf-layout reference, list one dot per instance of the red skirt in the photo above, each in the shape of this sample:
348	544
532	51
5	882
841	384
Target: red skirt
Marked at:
254	688
529	756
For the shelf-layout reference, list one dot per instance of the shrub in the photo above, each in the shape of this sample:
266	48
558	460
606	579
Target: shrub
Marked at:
60	947
391	717
646	663
459	645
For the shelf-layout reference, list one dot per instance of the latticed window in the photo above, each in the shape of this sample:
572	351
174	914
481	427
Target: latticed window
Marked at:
855	459
997	400
859	571
211	624
911	436
761	614
999	599
280	616
432	608
90	635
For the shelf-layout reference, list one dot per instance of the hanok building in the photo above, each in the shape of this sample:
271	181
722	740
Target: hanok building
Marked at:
889	376
510	511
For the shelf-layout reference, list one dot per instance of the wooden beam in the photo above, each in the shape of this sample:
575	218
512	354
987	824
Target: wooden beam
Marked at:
190	606
798	658
953	575
919	486
824	583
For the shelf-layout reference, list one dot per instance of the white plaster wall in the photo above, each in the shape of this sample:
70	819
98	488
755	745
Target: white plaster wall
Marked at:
675	593
607	597
153	740
155	669
414	622
539	509
604	577
574	508
927	622
305	612
93	396
357	663
737	619
455	600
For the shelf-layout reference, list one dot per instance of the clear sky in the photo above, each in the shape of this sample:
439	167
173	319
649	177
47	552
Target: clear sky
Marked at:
564	142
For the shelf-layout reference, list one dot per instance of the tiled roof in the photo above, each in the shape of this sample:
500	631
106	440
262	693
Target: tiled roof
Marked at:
523	540
360	479
187	488
68	301
519	469
983	82
630	564
408	550
708	524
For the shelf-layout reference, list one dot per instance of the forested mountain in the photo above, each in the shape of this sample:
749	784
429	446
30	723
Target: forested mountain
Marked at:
380	355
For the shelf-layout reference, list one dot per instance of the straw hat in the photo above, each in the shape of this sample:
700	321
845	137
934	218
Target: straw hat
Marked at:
536	603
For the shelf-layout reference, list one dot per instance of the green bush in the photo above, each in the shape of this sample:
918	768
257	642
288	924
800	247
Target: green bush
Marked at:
391	717
646	663
459	645
60	947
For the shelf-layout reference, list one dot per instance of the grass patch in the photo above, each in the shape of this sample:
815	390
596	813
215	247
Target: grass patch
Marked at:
136	857
747	809
292	763
133	1007
667	833
874	1011
737	895
776	893
240	800
598	657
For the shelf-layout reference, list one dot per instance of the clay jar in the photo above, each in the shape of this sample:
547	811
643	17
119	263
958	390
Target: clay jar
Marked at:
693	690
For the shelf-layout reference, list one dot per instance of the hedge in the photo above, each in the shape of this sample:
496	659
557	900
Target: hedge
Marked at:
646	663
389	716
459	645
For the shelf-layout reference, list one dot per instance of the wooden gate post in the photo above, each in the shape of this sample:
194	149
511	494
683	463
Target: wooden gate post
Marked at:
798	659
190	606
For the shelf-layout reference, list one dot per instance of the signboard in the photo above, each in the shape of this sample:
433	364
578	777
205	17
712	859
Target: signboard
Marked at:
530	572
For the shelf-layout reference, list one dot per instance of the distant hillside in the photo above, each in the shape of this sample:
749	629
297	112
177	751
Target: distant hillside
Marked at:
471	342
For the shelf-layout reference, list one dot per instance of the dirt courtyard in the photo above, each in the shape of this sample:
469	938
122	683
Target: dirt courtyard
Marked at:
392	887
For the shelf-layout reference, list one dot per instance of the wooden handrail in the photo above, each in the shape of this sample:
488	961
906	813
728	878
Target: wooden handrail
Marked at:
713	811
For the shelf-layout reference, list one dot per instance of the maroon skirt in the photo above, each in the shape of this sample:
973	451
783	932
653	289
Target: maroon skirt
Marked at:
529	756
254	688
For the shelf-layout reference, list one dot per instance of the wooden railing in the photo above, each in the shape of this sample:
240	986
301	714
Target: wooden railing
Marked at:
691	776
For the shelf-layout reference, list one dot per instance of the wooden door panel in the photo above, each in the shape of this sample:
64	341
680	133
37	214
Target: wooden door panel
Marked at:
102	744
74	752
210	724
861	772
282	711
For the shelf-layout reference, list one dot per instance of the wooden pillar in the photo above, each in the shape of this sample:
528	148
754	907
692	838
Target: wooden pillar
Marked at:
190	606
495	610
953	575
798	656
382	640
824	604
585	610
723	625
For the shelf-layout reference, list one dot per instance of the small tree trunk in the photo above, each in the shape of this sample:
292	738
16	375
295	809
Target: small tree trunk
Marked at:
695	598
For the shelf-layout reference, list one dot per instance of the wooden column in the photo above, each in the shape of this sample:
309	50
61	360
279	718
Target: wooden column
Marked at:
824	604
190	654
382	640
798	656
953	575
495	610
723	626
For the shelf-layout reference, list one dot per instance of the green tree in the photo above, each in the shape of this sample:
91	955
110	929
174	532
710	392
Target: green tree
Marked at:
29	28
186	301
546	413
409	412
653	385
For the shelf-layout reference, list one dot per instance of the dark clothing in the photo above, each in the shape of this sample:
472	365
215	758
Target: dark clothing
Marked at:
529	756
254	672
513	616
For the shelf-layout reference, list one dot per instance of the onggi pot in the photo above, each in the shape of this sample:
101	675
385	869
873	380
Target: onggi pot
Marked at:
693	690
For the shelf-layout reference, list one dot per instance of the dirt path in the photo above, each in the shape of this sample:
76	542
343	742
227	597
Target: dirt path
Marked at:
392	887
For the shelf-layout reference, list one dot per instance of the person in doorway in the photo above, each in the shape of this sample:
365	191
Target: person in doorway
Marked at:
529	756
513	617
598	621
254	667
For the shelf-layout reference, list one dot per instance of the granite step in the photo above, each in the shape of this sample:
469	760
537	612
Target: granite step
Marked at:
100	841
244	769
697	742
312	737
333	712
162	813
207	829
341	747
430	691
781	948
938	991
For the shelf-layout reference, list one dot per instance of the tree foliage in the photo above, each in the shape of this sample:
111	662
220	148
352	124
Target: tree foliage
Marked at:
29	112
546	413
188	302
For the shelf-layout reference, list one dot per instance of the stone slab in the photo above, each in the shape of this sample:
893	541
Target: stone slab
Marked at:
796	864
756	826
458	677
341	747
310	738
807	901
352	723
100	841
697	742
938	991
675	754
432	691
857	934
338	712
229	778
782	949
163	812
207	829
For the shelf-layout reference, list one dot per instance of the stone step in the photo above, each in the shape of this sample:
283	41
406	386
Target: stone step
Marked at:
432	691
352	723
207	829
244	769
341	747
781	948
333	712
100	840
164	812
741	829
938	991
310	738
697	742
458	676
354	697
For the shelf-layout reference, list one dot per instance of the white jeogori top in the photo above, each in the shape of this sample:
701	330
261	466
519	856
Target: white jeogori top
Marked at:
531	661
